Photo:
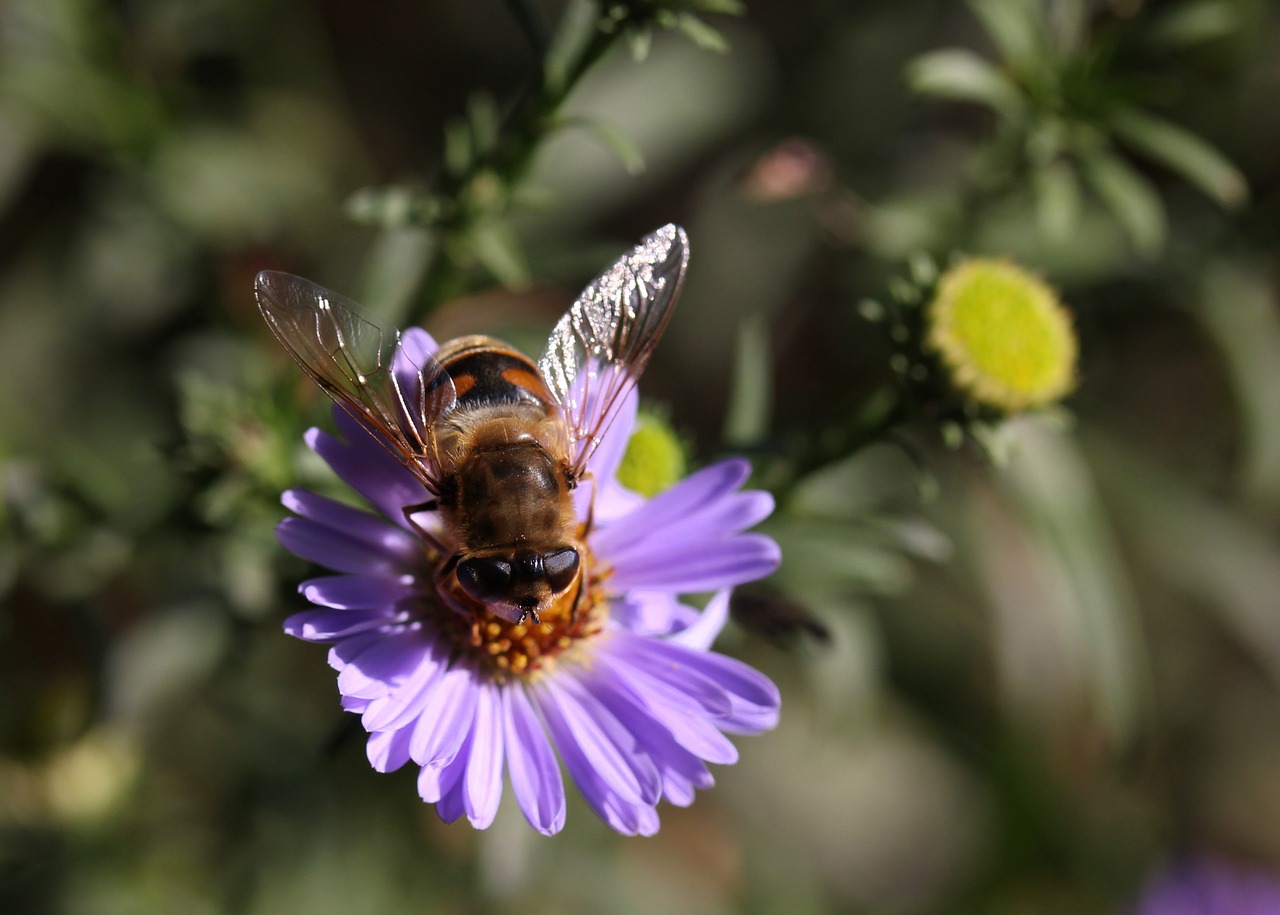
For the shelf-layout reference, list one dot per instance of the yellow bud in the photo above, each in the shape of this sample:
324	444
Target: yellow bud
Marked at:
1005	339
655	458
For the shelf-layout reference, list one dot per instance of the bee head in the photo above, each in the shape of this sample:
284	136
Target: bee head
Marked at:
525	580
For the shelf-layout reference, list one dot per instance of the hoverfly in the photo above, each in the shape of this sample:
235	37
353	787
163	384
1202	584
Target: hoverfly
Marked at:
498	441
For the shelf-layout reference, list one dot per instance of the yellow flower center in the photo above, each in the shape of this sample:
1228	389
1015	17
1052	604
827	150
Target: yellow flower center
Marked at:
1005	338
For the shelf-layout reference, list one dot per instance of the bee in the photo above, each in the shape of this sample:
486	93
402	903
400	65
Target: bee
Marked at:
499	442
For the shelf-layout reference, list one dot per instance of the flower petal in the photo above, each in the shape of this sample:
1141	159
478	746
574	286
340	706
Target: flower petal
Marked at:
624	816
671	755
754	696
694	730
359	592
725	516
482	789
671	509
651	612
382	665
367	467
606	499
445	720
684	567
441	784
404	701
333	625
355	524
327	547
692	693
608	744
531	763
702	632
388	750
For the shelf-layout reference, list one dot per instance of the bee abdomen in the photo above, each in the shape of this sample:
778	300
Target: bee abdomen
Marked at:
486	371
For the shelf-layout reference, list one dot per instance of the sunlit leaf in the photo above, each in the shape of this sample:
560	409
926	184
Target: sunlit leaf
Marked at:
618	143
721	7
1194	22
962	75
1184	152
640	41
703	35
1131	199
394	270
1056	570
387	207
577	24
1057	197
458	148
750	401
496	247
1238	307
483	121
1216	557
1016	28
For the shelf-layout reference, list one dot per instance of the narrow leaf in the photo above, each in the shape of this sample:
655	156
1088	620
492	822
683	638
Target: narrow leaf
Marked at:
1015	28
964	76
483	120
1131	199
498	249
577	24
703	35
1193	23
1184	152
614	140
747	421
1057	199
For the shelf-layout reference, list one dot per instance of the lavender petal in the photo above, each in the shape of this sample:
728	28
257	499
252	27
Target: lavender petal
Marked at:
531	764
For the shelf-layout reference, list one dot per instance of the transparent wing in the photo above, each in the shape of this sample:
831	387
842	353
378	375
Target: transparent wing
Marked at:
386	382
602	344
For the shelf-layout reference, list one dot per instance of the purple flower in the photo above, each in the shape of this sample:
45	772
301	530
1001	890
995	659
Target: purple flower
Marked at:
625	693
1210	887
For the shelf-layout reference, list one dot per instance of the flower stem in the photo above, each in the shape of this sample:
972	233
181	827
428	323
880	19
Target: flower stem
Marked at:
885	411
530	118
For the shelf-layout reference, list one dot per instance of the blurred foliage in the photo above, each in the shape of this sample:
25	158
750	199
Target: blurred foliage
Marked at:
1010	686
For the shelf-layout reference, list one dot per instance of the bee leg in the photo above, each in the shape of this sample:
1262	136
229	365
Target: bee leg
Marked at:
431	539
443	571
577	599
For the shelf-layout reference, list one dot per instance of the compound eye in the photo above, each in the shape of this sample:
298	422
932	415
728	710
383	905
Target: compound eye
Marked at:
486	578
561	568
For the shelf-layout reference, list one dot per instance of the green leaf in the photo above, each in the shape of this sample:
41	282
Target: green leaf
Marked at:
385	207
458	150
1184	152
962	75
640	41
1057	199
1131	199
1068	24
577	25
747	420
721	7
483	121
614	140
496	247
1238	307
1193	23
1016	29
394	271
703	35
